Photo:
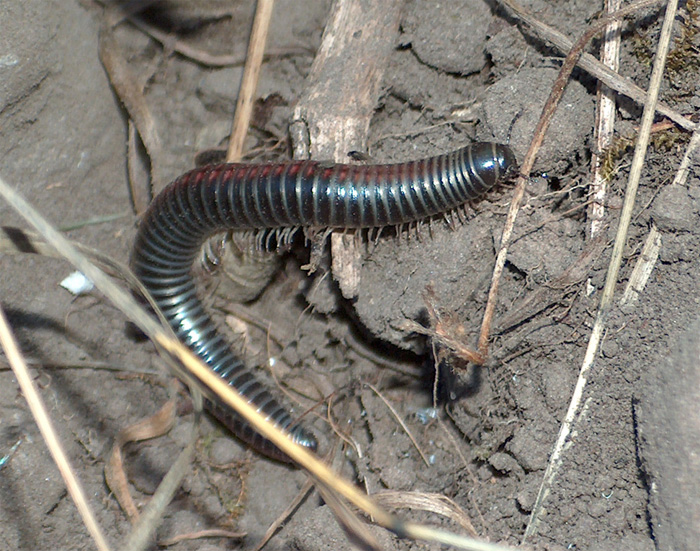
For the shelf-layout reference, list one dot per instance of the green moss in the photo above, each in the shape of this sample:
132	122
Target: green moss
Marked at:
642	47
613	154
684	54
670	139
660	141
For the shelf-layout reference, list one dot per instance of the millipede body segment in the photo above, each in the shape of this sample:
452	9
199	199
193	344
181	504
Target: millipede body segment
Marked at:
217	198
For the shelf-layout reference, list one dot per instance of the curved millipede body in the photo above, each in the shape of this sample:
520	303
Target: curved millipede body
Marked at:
217	198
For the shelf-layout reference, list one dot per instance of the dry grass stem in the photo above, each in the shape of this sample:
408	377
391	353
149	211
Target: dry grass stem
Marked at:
249	83
139	187
142	534
605	120
576	409
458	348
690	152
94	366
644	267
351	442
15	240
547	295
348	520
310	462
43	421
572	58
422	501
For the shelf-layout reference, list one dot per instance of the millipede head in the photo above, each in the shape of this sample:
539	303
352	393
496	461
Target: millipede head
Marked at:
507	162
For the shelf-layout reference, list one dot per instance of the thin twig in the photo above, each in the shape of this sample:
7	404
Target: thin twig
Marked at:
548	111
249	83
41	416
139	188
283	517
576	408
594	67
170	42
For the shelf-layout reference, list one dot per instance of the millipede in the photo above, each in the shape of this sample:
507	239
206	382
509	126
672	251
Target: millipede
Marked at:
310	194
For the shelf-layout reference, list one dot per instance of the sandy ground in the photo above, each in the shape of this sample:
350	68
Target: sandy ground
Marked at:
450	80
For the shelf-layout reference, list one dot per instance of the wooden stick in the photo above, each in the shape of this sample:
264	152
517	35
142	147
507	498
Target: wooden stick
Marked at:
333	114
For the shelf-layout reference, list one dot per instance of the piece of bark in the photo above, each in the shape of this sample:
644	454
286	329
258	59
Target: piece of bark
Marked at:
333	114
